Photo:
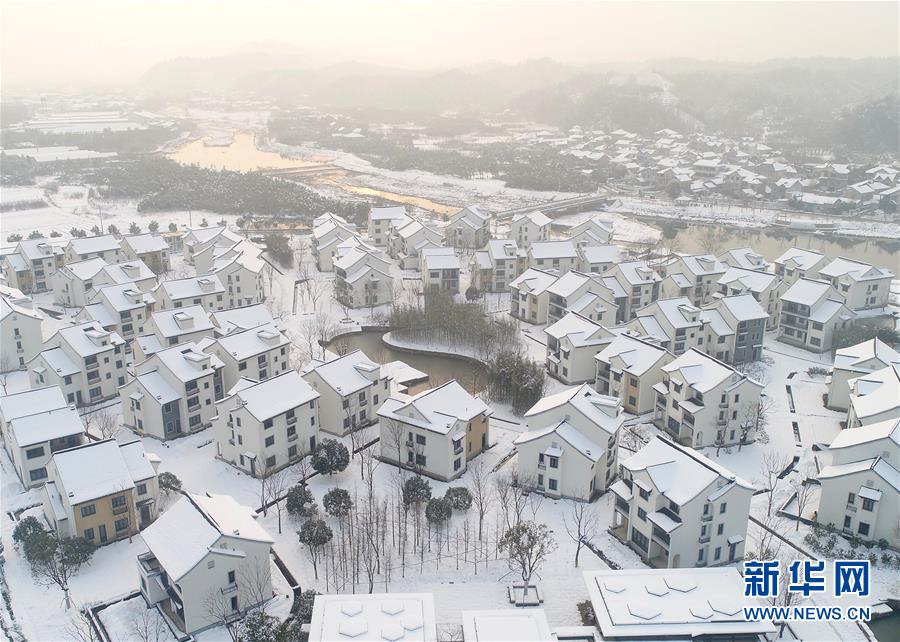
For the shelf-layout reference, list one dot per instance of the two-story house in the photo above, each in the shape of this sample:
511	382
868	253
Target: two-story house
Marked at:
243	277
861	482
874	397
703	402
383	220
675	324
629	368
598	259
123	309
73	284
351	388
20	331
700	273
556	256
436	432
529	300
799	263
468	228
635	285
150	248
262	426
494	267
257	353
570	446
85	360
762	286
572	343
854	362
198	240
809	314
440	268
168	328
106	247
526	229
30	266
326	236
362	278
735	326
677	508
102	491
406	243
203	550
862	285
589	232
173	392
206	290
582	293
745	258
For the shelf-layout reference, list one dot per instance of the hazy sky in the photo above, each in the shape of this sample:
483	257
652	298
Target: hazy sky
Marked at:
116	40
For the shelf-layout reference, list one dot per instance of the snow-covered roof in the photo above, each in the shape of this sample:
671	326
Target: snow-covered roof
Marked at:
877	465
702	372
84	270
889	429
89	338
243	318
9	306
128	272
387	213
876	393
274	396
856	358
123	297
156	386
183	535
703	264
91	244
601	411
637	356
502	249
568	283
553	250
195	286
677	604
186	361
800	258
438	409
27	402
681	473
33	249
580	331
440	258
584	445
679	312
253	341
807	291
855	270
751	280
506	625
537	218
101	468
144	243
533	281
174	323
742	307
45	425
350	373
602	254
638	273
378	616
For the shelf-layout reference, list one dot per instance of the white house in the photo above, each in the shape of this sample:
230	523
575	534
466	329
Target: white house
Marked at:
635	285
326	237
853	362
703	402
102	491
762	286
468	228
529	299
73	283
168	328
735	326
243	318
572	343
199	240
258	353
569	448
131	271
809	314
150	248
106	247
582	293
363	278
402	616
874	397
205	549
352	388
745	258
862	285
558	256
243	277
598	259
407	242
798	263
37	423
526	229
648	605
440	268
700	272
435	432
590	232
496	265
504	624
862	482
675	324
206	290
677	508
30	266
20	332
383	220
119	308
629	368
173	392
85	360
262	426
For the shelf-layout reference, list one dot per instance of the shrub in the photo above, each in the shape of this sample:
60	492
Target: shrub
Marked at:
300	502
459	497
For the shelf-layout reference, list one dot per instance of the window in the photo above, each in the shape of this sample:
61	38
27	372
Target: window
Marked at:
33	453
718	553
88	510
863	528
270	461
645	494
118	502
420	439
234	603
551	483
851	498
121	524
722	507
639	539
211	564
848	521
457	463
89	534
701	554
720	529
554	462
420	460
868	504
231	577
267	423
242	365
270	441
194	421
292	452
642	514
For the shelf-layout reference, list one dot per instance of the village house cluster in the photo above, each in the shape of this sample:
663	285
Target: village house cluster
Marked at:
663	337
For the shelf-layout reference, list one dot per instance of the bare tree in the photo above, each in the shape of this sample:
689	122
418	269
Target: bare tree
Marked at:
802	494
80	627
767	538
217	609
394	435
256	581
103	423
771	467
274	485
754	421
581	524
482	495
511	497
148	626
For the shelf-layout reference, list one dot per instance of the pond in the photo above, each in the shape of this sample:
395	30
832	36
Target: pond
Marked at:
440	369
887	629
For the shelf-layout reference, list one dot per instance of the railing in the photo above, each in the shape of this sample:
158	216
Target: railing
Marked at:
231	588
706	518
118	510
852	508
292	420
292	437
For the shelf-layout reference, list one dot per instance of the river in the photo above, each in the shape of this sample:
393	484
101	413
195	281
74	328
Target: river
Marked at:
440	369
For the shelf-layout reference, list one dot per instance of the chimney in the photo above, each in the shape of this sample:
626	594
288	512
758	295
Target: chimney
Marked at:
206	284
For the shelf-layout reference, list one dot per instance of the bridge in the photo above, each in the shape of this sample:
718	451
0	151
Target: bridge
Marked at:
553	206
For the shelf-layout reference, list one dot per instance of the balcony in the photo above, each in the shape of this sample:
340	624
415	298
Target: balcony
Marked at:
292	420
292	437
851	508
91	366
409	443
622	506
707	517
704	539
118	510
231	588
